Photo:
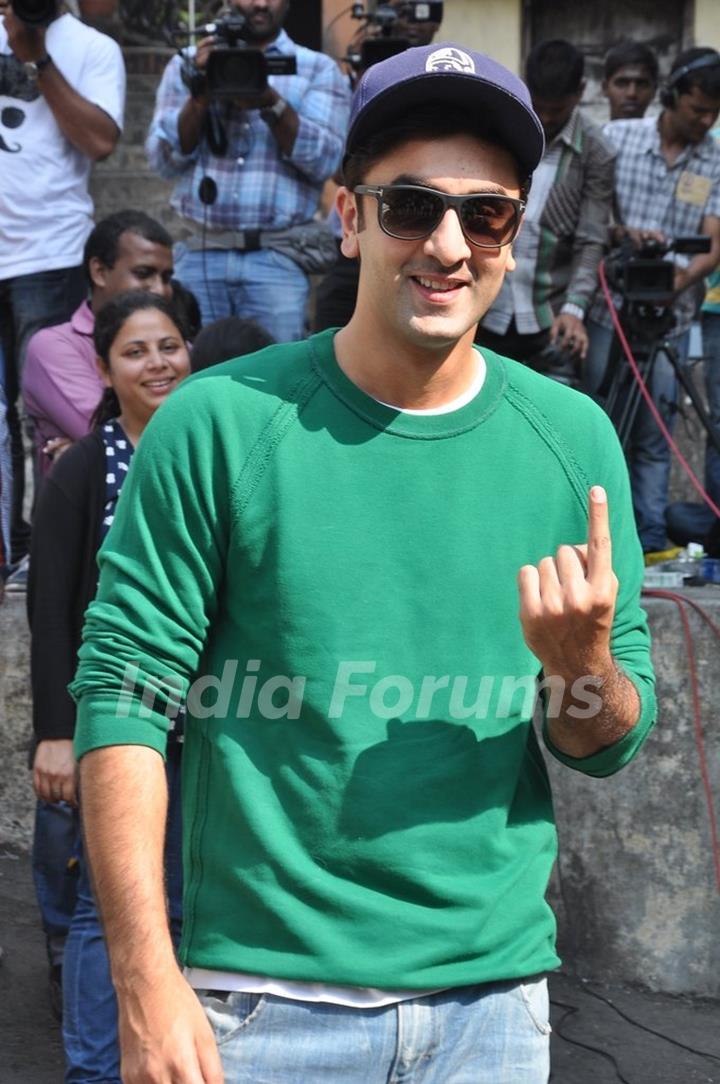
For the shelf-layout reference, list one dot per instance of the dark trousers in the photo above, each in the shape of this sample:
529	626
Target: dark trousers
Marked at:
27	304
513	344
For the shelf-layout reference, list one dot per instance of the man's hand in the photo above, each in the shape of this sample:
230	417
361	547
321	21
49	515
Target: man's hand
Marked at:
569	332
54	771
639	238
204	48
55	447
26	42
567	602
165	1037
260	101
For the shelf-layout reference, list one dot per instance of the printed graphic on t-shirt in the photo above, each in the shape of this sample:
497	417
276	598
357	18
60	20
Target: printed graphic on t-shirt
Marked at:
14	83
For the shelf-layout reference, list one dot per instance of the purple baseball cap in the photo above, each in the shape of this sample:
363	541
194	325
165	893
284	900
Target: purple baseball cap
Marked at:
455	76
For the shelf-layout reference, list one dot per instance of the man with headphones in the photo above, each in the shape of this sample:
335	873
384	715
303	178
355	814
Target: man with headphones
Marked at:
667	184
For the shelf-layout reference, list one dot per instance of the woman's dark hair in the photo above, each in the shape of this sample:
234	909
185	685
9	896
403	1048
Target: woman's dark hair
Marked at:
228	338
108	322
187	308
434	121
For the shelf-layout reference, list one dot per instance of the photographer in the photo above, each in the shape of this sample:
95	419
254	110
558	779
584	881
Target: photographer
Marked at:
250	172
62	91
667	184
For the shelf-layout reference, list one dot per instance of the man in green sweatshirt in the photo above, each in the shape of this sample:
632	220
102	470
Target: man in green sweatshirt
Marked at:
322	549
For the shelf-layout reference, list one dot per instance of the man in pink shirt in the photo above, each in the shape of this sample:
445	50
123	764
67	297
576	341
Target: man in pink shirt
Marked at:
61	386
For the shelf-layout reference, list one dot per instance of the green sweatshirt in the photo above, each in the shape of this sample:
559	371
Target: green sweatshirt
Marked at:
365	801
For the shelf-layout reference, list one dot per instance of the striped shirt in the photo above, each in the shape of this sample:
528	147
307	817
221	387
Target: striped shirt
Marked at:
564	233
652	195
258	186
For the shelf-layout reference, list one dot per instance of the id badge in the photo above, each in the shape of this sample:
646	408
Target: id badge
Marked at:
693	188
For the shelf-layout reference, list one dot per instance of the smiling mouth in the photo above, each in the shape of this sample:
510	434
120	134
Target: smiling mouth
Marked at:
159	385
434	288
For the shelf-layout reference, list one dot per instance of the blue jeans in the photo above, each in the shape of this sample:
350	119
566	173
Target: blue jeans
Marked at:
27	304
497	1033
89	1005
690	521
262	286
647	451
56	843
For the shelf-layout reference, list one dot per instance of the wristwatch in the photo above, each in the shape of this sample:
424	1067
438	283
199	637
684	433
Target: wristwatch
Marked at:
273	113
33	68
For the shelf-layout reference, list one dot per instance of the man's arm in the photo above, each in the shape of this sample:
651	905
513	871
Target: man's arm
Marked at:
56	384
590	240
145	632
703	264
567	606
88	127
164	1033
314	131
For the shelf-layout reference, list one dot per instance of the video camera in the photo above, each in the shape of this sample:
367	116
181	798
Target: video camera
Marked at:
645	280
384	19
643	276
36	13
234	69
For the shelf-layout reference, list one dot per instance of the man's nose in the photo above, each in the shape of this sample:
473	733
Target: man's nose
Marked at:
159	286
447	243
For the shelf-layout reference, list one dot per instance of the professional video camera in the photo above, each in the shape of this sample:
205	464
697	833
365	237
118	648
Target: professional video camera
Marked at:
234	69
36	12
385	41
645	281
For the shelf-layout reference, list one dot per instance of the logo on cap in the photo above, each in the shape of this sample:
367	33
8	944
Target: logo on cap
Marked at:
450	60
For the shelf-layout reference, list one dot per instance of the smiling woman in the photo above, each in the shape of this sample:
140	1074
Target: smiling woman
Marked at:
142	357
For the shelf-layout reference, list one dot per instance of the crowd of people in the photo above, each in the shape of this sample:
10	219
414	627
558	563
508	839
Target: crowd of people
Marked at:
99	326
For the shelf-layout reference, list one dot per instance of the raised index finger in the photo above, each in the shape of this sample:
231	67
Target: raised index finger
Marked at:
599	549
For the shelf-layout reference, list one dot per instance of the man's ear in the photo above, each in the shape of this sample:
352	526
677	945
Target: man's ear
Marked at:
98	272
346	205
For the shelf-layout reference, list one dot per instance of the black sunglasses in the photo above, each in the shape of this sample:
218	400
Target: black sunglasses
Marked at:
411	211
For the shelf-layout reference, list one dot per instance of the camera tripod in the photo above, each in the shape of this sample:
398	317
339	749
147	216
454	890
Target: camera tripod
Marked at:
623	396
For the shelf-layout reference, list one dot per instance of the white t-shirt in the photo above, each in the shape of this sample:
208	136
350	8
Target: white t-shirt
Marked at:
45	209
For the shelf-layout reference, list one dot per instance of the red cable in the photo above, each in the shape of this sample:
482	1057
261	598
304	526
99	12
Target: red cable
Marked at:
647	396
680	601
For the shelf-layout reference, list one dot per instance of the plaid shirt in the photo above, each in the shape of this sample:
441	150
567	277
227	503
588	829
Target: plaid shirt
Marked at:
651	195
258	186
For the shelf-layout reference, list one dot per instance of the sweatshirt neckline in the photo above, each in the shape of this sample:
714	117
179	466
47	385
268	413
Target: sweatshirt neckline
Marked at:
397	422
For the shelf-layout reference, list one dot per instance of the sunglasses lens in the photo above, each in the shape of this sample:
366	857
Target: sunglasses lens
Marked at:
410	213
489	221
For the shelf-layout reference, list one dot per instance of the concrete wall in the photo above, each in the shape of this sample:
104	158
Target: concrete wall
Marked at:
706	30
634	888
491	26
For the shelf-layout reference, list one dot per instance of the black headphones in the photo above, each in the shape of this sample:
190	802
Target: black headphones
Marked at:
669	94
